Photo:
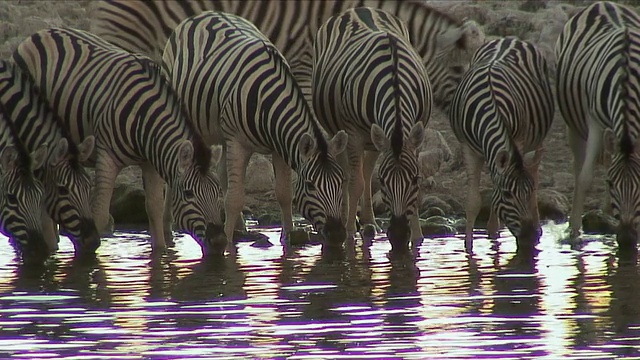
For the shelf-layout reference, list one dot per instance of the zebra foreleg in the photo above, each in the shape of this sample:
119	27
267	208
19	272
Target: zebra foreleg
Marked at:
167	219
588	152
282	173
154	204
356	185
105	177
473	163
367	216
237	161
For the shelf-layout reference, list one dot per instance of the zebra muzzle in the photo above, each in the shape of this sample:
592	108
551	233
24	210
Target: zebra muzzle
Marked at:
399	233
334	232
89	238
627	238
215	240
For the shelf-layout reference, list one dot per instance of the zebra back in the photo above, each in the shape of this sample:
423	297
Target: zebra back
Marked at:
144	26
67	185
20	191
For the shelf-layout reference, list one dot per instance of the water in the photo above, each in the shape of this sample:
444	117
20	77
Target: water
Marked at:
441	304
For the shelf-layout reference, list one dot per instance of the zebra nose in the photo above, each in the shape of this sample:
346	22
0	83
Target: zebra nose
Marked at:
398	233
35	249
90	237
529	235
334	232
215	240
627	237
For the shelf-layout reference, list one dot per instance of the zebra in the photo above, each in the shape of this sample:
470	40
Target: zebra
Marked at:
137	119
598	57
291	25
501	112
368	80
67	185
20	193
239	91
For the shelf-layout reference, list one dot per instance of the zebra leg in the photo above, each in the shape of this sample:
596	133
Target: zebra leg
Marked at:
493	225
105	177
473	163
222	175
356	183
154	204
167	219
585	154
367	216
237	161
282	173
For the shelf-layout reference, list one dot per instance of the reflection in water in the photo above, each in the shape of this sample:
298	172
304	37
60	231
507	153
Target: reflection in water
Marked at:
440	302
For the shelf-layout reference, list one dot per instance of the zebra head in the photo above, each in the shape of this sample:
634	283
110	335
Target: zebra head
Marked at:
197	204
623	181
68	193
399	177
20	203
514	193
318	187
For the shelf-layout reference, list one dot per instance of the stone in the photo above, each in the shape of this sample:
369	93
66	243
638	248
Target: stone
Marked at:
260	176
298	237
128	206
597	222
432	211
553	205
437	226
379	209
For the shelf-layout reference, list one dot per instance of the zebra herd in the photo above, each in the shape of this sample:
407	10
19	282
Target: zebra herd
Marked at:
190	90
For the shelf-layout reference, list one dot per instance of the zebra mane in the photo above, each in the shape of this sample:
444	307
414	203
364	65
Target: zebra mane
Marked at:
201	152
23	155
28	85
397	136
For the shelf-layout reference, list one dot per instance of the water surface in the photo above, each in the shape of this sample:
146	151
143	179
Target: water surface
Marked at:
441	303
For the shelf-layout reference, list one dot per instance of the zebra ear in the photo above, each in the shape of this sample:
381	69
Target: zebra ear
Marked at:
416	136
502	160
185	156
338	143
9	158
59	152
307	145
39	156
378	138
85	148
216	155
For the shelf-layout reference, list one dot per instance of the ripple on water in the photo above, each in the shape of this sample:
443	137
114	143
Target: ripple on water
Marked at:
571	302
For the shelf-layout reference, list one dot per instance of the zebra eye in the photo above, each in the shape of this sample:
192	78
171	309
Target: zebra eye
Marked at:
62	190
189	194
609	184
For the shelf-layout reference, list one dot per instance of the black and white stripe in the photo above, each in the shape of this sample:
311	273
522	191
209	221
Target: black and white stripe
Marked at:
20	193
369	81
501	113
598	88
67	186
239	91
291	25
125	102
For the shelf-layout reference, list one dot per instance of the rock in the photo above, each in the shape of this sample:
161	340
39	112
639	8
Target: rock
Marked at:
597	222
511	23
260	176
553	205
269	219
437	226
128	206
434	201
298	237
533	5
432	211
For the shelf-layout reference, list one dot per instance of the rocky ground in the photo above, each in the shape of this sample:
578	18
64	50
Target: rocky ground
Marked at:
537	21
